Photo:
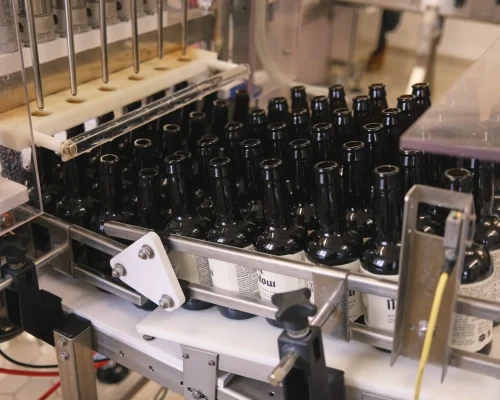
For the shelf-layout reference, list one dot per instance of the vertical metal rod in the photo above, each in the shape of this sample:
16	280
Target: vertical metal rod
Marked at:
185	8
135	35
34	54
68	9
104	41
159	13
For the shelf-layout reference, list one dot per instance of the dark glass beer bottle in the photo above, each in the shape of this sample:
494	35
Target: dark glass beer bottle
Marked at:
406	103
208	105
277	141
378	99
301	177
336	97
392	125
241	106
471	333
220	118
197	129
342	129
359	214
208	148
257	122
422	93
277	110
234	133
323	142
149	211
172	140
383	259
230	229
281	237
372	137
362	114
185	222
298	96
319	110
300	127
252	207
333	244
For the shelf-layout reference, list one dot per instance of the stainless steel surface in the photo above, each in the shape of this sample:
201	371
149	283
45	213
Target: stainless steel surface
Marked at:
159	29
330	306
35	61
43	20
420	264
371	336
479	308
135	35
71	46
8	39
475	362
285	365
200	27
185	9
241	388
103	28
79	19
5	283
51	255
101	243
94	13
76	366
200	373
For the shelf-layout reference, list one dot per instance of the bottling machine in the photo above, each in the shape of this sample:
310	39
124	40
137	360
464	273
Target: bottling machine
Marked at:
67	63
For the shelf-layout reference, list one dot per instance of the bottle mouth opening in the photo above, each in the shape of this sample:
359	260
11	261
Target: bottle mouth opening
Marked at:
142	143
377	86
250	143
373	126
148	172
276	126
171	128
220	103
336	87
409	151
322	126
271	163
109	159
257	112
386	170
219	161
325	166
243	92
299	111
391	111
279	99
234	125
174	159
353	145
421	85
183	153
207	140
341	111
300	143
197	115
319	99
457	173
298	88
361	98
406	97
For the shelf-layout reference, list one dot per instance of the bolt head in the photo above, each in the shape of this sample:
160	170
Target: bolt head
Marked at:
197	394
63	356
118	271
422	328
61	342
166	302
146	252
185	356
148	338
211	363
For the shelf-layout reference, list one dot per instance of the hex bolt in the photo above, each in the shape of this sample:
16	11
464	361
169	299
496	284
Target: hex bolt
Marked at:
148	338
146	252
185	356
422	328
61	342
63	356
166	302
118	271
197	394
211	363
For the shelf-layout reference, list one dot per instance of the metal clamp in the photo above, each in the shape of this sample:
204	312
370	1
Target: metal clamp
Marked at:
200	373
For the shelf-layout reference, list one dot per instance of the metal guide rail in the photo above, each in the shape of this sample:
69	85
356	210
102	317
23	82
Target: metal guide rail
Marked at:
63	233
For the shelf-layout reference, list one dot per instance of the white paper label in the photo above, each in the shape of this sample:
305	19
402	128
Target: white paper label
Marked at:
235	278
271	283
495	259
471	333
354	298
191	268
380	312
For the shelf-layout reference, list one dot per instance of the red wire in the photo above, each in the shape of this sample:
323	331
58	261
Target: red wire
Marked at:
47	394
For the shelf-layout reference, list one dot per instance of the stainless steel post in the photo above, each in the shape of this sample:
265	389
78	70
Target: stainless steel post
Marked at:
71	46
79	20
76	364
104	41
185	9
8	40
135	36
160	27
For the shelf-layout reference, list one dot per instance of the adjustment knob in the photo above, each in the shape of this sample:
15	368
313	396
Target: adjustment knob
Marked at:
294	308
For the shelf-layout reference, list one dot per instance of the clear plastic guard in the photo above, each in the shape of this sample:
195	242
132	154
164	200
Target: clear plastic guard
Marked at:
466	121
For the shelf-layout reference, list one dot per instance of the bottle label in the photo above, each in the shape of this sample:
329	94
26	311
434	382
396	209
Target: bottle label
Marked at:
495	259
354	302
234	277
471	333
380	312
191	268
271	283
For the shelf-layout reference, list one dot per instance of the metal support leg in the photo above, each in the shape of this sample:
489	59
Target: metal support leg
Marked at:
75	358
430	35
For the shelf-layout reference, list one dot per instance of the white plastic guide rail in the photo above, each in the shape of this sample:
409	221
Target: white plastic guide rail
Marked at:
145	267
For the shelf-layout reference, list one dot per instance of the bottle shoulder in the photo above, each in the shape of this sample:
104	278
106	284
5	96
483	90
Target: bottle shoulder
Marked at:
195	227
282	241
478	265
335	249
382	259
237	234
361	221
487	232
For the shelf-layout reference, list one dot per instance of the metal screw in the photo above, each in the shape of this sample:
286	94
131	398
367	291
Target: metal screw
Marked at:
148	338
118	271
146	252
211	363
185	356
166	302
63	356
197	394
121	353
422	328
61	342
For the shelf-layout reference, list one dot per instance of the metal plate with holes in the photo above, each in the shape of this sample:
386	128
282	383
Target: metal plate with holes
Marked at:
200	373
337	324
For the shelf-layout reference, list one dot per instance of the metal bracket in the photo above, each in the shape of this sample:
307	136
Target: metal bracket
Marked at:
337	323
200	373
420	263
